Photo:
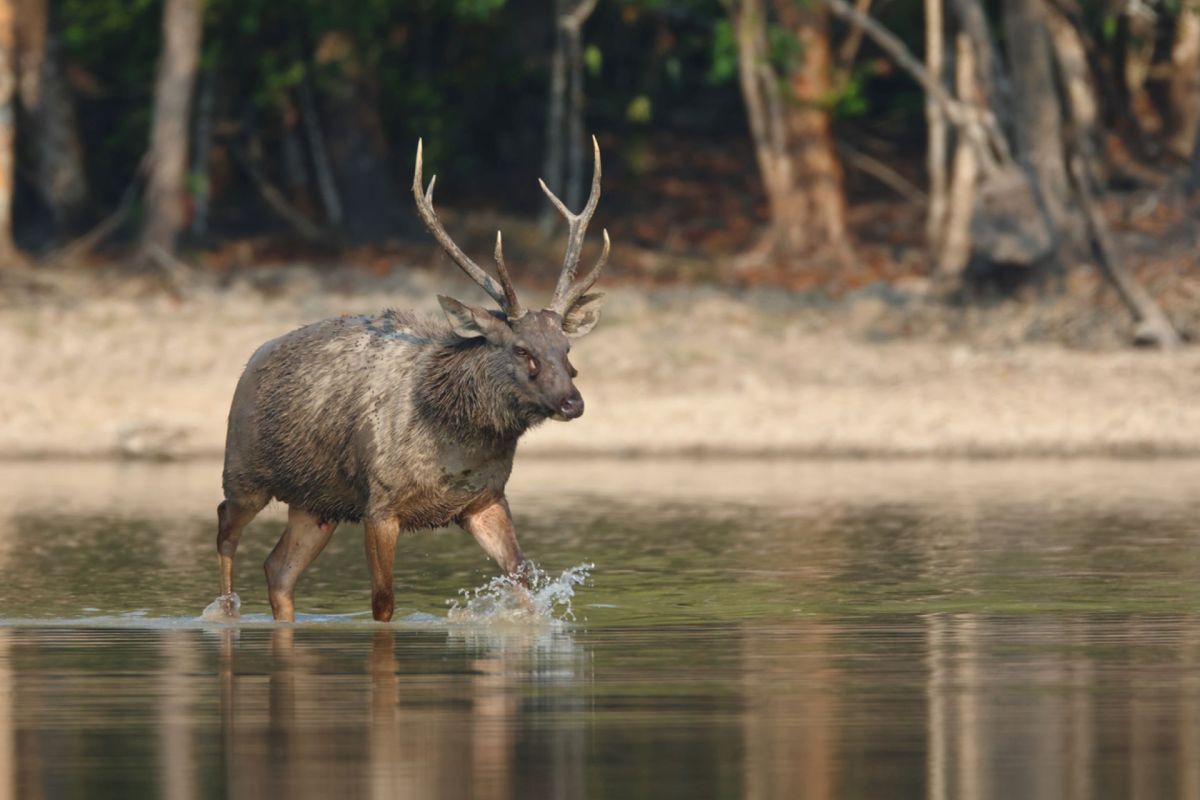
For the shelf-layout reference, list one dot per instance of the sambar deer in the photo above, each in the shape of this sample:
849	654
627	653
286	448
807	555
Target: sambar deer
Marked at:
401	420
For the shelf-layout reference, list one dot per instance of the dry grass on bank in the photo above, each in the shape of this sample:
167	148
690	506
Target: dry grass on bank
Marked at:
98	369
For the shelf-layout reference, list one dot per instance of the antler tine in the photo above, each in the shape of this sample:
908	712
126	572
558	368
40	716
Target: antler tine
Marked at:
429	217
512	304
576	226
563	305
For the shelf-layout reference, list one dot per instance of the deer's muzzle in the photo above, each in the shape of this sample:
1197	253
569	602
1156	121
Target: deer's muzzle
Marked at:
570	408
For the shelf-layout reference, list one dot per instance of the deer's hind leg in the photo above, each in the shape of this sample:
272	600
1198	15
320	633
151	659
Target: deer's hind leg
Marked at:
303	540
233	515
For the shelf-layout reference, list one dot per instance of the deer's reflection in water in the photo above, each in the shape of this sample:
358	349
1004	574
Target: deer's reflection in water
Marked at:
400	713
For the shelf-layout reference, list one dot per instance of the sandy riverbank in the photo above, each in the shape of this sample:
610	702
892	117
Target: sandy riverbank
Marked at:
98	374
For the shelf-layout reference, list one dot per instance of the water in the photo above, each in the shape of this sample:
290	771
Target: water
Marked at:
704	629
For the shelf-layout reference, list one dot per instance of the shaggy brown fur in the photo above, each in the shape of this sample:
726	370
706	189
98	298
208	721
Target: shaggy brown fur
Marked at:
399	420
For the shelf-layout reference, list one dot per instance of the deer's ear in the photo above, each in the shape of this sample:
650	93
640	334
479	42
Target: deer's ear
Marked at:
470	322
583	316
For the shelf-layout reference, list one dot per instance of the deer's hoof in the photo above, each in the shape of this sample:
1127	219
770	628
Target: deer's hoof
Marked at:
225	607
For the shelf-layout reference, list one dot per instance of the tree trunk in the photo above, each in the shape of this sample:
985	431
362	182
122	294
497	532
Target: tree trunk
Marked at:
956	240
760	95
50	132
990	76
980	127
370	205
202	150
815	207
564	166
322	168
553	167
371	208
8	80
33	28
1079	94
938	131
575	140
1038	115
1135	43
1154	328
296	180
1184	86
1007	226
1193	180
166	189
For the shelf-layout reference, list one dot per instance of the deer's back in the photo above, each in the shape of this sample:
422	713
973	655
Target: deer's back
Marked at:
323	417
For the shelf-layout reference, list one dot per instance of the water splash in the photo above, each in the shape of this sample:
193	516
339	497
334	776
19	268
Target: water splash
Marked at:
504	599
226	608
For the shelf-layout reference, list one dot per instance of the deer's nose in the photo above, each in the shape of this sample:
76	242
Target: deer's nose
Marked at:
572	407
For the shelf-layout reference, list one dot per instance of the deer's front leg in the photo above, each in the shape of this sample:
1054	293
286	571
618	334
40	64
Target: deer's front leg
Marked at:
492	526
381	538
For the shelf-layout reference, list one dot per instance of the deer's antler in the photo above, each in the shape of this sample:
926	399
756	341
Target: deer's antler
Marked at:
567	292
504	293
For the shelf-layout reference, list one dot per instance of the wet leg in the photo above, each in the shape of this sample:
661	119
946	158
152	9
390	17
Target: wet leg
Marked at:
380	541
302	541
492	527
233	515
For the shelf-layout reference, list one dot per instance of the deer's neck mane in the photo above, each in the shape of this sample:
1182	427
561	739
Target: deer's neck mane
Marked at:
466	387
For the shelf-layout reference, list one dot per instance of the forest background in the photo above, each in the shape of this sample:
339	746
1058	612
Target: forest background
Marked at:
932	196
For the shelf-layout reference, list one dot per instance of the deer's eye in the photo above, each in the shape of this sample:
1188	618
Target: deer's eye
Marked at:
574	373
531	363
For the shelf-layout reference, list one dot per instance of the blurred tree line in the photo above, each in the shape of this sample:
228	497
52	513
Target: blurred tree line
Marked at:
189	122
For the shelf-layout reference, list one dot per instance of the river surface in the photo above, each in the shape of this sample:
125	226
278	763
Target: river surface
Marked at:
759	629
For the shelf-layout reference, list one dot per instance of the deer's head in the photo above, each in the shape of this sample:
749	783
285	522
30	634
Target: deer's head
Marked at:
534	344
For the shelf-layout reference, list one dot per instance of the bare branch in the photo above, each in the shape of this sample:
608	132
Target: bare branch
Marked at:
979	124
85	244
882	173
849	49
955	250
326	184
935	121
574	19
761	95
1153	325
275	198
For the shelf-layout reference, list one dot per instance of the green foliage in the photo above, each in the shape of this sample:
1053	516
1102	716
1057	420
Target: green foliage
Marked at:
92	22
724	53
114	45
593	59
783	48
477	10
470	76
640	109
197	184
851	99
1109	27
